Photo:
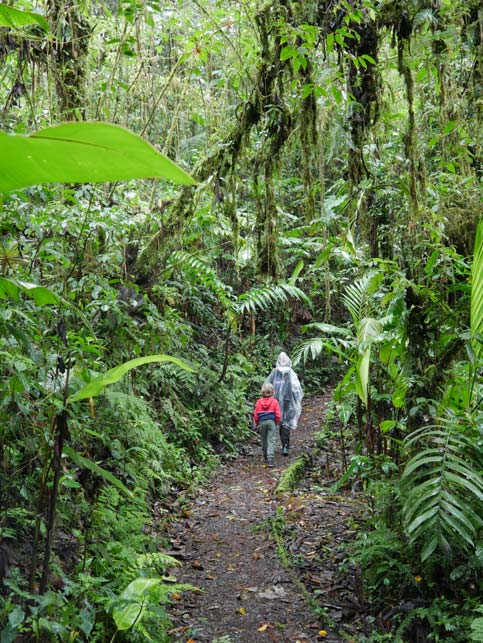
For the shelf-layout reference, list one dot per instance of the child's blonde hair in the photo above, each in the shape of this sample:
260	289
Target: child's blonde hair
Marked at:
267	390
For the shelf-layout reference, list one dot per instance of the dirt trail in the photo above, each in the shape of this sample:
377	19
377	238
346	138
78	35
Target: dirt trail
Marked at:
228	543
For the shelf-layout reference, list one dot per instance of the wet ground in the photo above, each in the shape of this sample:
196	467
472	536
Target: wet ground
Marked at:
268	564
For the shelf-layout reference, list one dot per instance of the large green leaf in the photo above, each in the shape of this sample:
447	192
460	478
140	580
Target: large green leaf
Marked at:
368	329
362	374
95	468
133	602
11	289
98	384
14	18
81	153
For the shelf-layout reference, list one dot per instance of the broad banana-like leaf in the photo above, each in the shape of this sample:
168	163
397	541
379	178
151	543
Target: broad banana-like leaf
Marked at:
477	291
128	614
11	289
369	329
81	153
95	468
296	272
98	384
345	412
133	602
362	374
14	18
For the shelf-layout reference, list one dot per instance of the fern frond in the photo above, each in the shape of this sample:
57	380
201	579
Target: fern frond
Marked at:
477	628
203	274
444	503
156	560
144	632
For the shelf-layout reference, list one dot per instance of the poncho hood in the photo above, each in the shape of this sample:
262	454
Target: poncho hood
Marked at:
284	363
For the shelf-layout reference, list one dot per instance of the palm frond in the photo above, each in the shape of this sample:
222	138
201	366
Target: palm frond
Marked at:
477	291
264	297
328	328
444	503
313	348
357	297
424	16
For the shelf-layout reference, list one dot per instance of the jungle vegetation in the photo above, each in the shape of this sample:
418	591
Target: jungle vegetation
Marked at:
324	196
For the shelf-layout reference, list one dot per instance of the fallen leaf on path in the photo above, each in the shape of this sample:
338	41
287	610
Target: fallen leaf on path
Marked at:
169	579
242	611
322	633
183	628
263	627
272	593
315	580
196	564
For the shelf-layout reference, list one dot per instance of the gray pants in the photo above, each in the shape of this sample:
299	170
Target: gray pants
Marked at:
267	434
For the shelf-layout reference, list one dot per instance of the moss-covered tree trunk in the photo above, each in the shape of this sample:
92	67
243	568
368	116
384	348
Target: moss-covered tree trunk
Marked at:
67	56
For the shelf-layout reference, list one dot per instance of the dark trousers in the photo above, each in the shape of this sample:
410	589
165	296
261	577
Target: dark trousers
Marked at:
285	435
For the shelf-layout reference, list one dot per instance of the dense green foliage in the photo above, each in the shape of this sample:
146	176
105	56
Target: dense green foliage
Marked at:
337	152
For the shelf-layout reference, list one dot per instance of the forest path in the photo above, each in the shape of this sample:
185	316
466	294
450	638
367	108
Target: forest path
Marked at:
229	543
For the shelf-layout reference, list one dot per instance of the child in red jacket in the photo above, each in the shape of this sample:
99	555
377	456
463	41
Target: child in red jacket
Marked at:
267	416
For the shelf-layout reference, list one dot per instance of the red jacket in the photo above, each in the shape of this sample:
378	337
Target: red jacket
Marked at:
267	408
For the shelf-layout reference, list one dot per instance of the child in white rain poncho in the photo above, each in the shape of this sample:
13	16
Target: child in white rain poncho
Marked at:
289	394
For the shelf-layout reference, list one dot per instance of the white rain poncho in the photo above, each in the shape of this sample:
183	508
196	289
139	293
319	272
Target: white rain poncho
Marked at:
288	390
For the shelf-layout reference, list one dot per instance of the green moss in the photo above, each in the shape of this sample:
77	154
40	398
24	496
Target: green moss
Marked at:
293	474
